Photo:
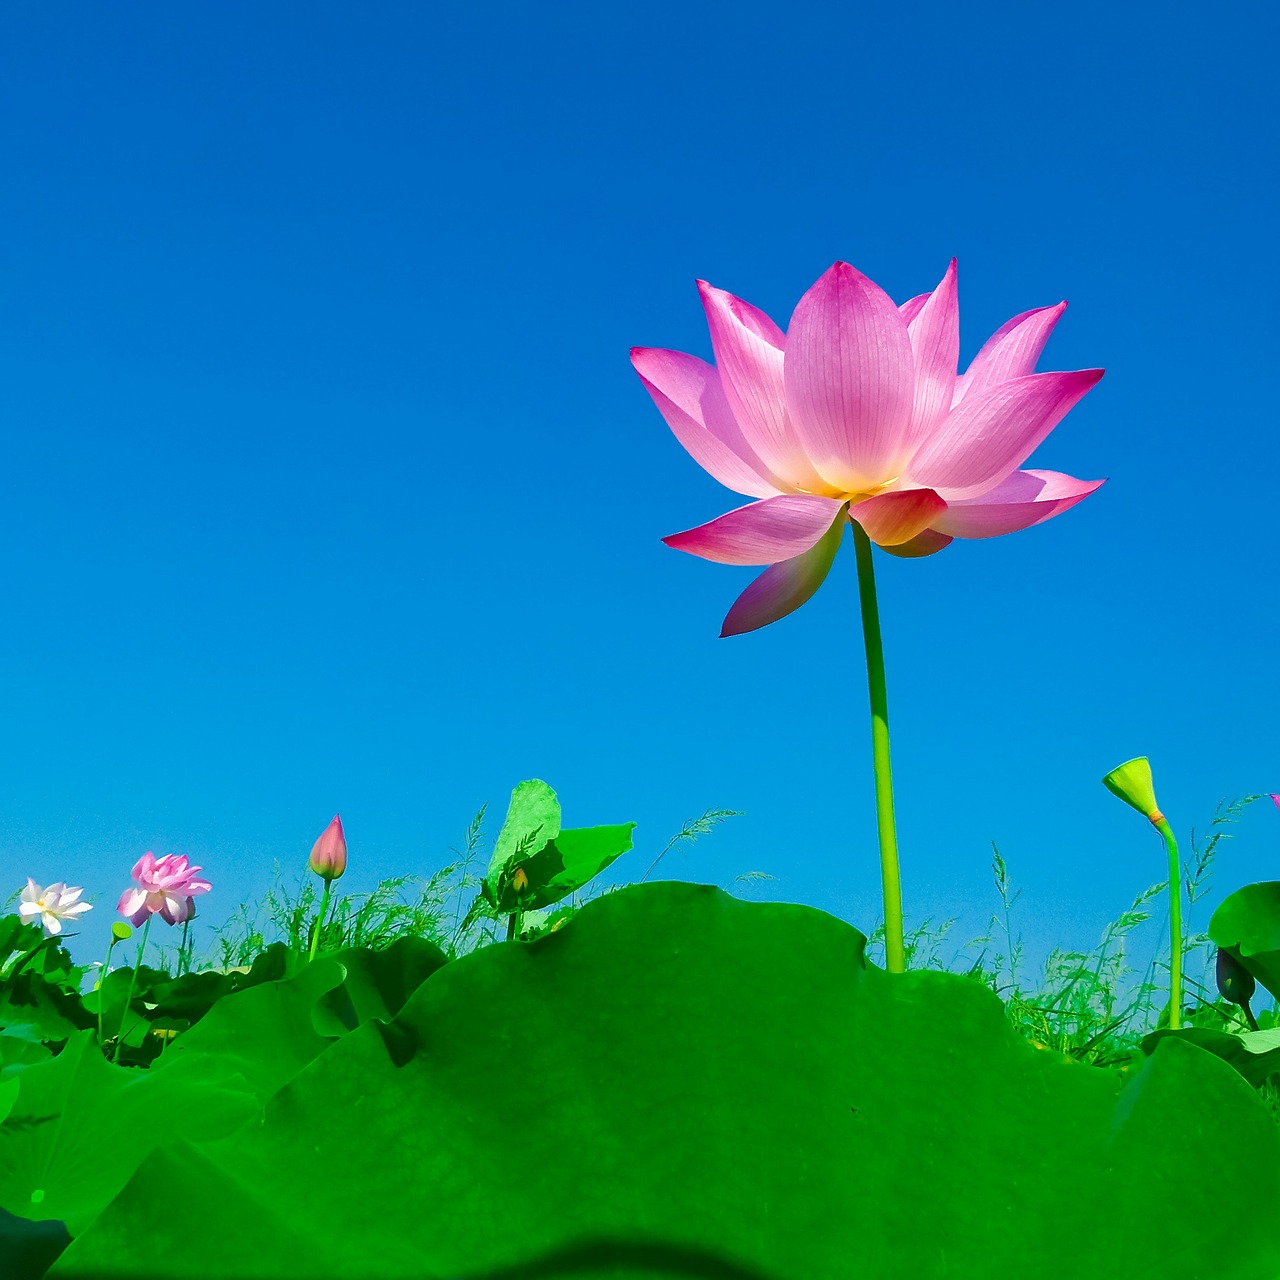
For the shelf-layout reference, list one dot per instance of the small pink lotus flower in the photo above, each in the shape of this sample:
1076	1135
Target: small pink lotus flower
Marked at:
164	886
1276	798
329	853
857	413
53	905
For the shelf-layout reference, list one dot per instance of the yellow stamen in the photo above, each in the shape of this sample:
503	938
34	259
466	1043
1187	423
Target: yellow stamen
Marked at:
844	495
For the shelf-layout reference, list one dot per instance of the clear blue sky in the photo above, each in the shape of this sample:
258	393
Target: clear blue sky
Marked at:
328	485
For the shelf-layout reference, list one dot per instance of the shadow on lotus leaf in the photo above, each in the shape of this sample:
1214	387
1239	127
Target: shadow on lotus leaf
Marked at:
598	1259
607	1259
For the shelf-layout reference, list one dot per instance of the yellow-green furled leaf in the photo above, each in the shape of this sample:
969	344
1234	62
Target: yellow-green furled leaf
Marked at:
1132	782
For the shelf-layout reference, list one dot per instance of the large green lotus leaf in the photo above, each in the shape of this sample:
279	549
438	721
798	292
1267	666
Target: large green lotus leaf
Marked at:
270	965
44	993
30	999
110	996
8	1096
161	1001
206	1074
1248	921
21	1045
27	1248
1254	1054
51	957
677	1083
191	995
80	1126
187	998
16	935
376	983
563	866
264	1034
269	1031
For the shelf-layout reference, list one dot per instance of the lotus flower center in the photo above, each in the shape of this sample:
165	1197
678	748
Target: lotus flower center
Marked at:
852	499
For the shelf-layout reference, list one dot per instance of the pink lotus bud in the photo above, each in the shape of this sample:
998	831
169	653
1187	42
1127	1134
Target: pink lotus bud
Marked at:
329	853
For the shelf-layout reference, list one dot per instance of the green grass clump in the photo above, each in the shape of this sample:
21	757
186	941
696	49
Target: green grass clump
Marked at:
400	905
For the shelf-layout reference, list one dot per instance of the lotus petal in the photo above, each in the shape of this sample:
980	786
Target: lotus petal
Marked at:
935	343
911	308
689	396
891	519
1023	499
778	528
1011	352
749	357
923	544
784	587
988	435
850	379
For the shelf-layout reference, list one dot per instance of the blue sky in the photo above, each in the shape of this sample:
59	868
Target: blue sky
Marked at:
328	486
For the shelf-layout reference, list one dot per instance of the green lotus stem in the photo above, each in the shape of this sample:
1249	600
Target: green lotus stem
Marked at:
315	931
894	949
1175	922
111	946
133	978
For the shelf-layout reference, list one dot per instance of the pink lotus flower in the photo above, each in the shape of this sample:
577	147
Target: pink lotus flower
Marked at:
857	413
1276	798
329	853
164	886
52	905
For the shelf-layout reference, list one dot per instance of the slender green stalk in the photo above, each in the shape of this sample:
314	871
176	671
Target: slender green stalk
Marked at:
893	940
111	946
324	906
513	925
1175	922
133	978
183	958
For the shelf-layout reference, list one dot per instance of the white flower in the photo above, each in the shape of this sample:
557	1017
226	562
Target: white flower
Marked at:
54	905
